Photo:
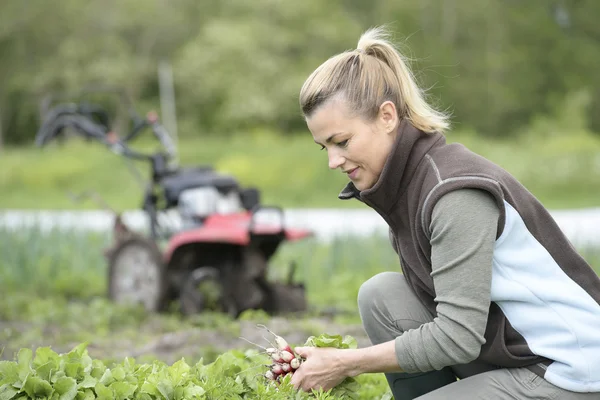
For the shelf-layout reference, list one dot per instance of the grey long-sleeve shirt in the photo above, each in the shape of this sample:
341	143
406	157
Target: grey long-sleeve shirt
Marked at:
463	232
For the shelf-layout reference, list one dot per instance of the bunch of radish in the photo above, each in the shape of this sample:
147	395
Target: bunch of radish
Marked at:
284	360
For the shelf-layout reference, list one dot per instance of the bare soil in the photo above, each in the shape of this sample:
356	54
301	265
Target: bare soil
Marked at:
189	343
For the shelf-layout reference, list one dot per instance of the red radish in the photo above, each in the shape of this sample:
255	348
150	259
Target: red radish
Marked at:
295	363
277	369
287	356
277	357
270	375
285	360
281	342
271	350
283	345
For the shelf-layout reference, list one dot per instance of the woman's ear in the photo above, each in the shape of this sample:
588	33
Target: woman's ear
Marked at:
388	116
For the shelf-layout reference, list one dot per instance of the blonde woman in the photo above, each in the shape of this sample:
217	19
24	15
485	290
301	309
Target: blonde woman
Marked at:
493	302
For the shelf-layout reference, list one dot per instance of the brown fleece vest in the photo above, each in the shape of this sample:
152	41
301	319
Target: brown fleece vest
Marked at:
420	169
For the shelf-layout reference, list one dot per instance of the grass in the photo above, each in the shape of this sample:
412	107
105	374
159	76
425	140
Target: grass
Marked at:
49	263
70	265
562	170
68	268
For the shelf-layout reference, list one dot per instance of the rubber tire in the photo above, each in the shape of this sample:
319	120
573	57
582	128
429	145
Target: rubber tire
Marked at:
191	300
159	302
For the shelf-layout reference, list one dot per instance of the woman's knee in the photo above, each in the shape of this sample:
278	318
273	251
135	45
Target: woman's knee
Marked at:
373	292
387	300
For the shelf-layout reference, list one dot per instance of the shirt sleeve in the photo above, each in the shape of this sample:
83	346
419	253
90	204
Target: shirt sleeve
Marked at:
463	232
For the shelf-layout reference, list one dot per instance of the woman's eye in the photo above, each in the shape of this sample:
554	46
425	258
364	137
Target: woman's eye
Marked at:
343	143
322	147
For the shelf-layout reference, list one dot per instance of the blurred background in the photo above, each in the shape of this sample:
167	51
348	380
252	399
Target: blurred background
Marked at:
520	78
225	77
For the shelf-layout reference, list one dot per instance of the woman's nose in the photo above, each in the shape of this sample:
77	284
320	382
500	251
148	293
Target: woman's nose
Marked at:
335	159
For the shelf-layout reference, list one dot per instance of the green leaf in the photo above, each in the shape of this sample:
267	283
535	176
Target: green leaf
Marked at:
57	375
9	372
123	390
24	360
37	387
44	371
73	369
77	352
45	362
24	356
166	389
87	382
193	391
149	388
43	355
178	371
350	342
324	340
107	378
98	369
103	393
86	394
66	388
7	392
118	373
129	364
86	362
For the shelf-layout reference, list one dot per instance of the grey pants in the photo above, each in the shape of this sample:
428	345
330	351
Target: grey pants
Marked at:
388	307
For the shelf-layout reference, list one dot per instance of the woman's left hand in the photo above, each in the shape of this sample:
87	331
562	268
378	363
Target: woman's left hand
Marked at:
323	368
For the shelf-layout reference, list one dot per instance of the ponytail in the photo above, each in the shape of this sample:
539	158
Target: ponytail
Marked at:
366	77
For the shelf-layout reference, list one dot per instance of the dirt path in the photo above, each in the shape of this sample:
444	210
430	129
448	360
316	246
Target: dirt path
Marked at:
191	343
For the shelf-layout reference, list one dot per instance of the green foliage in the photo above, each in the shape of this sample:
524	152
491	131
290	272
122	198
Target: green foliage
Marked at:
349	387
557	164
339	267
239	65
49	276
75	375
335	341
74	281
54	261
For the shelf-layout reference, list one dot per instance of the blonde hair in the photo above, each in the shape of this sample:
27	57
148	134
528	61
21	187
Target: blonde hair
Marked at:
366	77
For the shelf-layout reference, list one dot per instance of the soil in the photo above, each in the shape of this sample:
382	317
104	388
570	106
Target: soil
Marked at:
189	343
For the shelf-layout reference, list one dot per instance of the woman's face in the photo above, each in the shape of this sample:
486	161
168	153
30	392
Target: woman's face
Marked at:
357	147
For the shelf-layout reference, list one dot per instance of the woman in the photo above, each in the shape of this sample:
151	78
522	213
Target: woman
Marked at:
491	290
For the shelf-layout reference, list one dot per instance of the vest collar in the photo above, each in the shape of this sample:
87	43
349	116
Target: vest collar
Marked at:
409	148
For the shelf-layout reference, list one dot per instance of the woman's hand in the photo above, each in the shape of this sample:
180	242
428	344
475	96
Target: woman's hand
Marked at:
323	368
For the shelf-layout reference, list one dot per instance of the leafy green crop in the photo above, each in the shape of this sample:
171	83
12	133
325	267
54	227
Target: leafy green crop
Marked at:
349	388
325	340
233	375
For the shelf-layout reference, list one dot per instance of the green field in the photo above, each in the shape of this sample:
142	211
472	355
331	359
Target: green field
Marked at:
561	169
54	302
71	265
54	284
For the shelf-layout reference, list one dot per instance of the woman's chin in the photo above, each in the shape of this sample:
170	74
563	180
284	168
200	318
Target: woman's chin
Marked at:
360	185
